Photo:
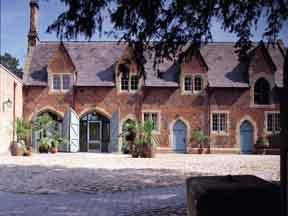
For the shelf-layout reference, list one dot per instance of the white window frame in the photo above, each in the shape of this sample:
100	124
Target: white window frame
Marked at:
193	91
220	133
157	131
130	90
61	75
266	122
194	84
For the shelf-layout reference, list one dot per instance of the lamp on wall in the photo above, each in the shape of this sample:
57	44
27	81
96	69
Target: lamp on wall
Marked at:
7	103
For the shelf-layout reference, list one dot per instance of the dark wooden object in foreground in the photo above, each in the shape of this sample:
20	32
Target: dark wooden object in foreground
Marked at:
232	195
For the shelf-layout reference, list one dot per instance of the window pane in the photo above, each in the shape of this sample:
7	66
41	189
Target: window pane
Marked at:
134	82
223	122
155	121
269	122
125	81
154	118
146	116
56	82
273	122
277	122
219	122
198	83
214	122
66	81
261	92
188	83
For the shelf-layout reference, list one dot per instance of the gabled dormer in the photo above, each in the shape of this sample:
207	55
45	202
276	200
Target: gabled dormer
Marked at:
61	71
261	73
193	73
127	76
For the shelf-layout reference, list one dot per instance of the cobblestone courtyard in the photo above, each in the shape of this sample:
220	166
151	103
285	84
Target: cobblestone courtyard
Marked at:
113	184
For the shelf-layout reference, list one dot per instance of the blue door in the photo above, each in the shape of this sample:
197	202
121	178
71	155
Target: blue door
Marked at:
246	138
179	137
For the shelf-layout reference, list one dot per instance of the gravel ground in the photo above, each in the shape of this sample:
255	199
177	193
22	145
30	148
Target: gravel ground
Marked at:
87	172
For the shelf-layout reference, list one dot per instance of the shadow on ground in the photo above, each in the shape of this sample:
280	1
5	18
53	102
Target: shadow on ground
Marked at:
57	179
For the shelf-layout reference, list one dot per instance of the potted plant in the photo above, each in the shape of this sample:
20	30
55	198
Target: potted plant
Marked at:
146	139
261	144
43	123
45	144
18	148
128	135
56	140
201	138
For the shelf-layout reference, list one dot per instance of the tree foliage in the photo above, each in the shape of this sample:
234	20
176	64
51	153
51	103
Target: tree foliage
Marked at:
10	63
171	23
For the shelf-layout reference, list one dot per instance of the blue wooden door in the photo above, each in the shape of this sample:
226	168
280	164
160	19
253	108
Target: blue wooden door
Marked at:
246	138
179	137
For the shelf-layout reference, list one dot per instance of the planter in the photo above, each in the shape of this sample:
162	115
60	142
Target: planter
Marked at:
53	150
200	150
16	149
148	151
27	151
43	149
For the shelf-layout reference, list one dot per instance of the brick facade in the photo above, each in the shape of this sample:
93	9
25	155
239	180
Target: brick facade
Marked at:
171	104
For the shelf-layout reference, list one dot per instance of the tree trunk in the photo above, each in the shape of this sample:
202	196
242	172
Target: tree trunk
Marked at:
284	138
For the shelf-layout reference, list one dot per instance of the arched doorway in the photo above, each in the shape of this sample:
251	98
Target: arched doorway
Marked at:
246	137
37	135
179	137
94	133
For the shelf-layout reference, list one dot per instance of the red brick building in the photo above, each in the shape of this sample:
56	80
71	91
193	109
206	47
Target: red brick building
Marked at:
234	103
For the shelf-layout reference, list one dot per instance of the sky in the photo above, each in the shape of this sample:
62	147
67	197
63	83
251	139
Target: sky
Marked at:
15	15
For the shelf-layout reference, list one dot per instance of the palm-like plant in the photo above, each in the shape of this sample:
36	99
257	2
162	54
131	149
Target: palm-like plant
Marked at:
146	132
145	138
200	137
43	123
23	129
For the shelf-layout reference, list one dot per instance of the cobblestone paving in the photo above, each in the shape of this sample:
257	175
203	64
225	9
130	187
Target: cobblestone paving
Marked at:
84	172
113	184
161	201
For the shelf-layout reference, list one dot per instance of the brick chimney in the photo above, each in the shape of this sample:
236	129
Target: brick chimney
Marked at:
33	31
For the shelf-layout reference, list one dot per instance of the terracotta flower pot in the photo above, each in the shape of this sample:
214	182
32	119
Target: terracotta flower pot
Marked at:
27	151
16	149
54	150
148	151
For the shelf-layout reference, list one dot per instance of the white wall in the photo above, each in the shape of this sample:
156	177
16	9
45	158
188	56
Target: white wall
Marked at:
7	80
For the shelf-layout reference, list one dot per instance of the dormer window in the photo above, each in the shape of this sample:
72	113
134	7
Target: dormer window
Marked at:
198	83
61	82
56	82
188	84
192	84
134	82
125	81
129	82
262	92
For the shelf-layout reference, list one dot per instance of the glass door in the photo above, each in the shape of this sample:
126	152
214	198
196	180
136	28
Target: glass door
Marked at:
94	136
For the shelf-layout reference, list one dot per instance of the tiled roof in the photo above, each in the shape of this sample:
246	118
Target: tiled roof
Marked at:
95	63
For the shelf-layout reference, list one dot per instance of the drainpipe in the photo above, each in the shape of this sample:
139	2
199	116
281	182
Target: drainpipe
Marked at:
209	92
14	110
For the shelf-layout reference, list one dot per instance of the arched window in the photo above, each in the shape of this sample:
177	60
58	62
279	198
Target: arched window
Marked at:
262	92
